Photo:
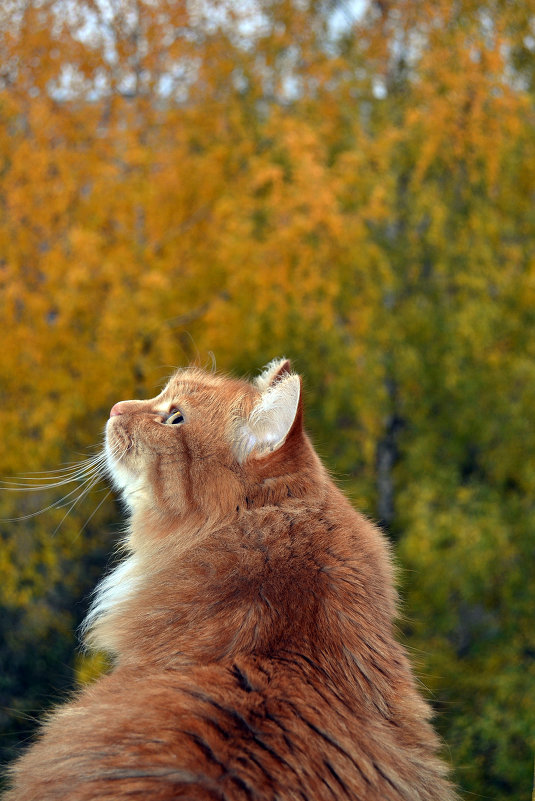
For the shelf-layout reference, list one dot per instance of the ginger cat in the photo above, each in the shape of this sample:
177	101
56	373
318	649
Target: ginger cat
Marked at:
250	622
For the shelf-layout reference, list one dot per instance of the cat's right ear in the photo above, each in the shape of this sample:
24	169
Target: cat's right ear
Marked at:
272	372
273	417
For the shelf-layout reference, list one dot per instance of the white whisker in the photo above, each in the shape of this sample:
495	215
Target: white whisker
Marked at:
68	467
95	510
54	479
82	494
18	487
85	474
59	504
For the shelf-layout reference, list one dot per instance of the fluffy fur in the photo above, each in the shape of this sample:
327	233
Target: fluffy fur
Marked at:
251	622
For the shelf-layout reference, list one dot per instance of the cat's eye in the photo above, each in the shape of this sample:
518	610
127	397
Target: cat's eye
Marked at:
175	418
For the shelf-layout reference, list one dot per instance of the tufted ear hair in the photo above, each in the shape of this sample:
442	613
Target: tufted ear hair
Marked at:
272	418
272	372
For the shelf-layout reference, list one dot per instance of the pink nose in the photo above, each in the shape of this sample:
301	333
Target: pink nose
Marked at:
119	408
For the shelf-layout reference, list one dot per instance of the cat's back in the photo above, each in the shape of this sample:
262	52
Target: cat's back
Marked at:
258	728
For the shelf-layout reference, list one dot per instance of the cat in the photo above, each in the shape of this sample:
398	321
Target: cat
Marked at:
251	622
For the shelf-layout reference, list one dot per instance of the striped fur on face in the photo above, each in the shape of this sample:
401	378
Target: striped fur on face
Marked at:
250	622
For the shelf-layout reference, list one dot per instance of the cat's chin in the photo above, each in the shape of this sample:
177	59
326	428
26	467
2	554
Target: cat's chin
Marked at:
132	488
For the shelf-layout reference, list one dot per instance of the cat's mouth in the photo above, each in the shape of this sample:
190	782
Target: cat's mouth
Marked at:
117	437
118	447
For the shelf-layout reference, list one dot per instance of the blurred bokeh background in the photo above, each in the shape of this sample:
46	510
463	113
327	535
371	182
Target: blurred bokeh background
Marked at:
350	184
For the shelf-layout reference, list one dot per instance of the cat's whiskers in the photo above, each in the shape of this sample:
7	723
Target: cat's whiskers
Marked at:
86	475
33	482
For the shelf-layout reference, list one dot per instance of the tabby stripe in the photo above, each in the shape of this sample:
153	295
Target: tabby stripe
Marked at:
263	670
258	764
327	738
205	748
310	683
390	782
254	736
240	721
289	743
242	679
244	726
279	723
337	778
250	793
257	739
216	726
328	786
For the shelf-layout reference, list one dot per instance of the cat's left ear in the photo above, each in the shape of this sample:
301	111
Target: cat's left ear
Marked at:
271	420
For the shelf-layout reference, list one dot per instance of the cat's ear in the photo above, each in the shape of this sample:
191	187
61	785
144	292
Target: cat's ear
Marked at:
272	372
272	418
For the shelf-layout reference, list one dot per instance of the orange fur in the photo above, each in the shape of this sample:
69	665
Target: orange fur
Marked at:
251	624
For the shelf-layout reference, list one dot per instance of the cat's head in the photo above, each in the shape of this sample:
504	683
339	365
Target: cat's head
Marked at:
202	445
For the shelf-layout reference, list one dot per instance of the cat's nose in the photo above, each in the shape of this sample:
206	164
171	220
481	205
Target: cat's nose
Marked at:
119	408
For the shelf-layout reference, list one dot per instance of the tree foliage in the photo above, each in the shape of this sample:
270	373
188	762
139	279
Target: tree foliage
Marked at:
253	179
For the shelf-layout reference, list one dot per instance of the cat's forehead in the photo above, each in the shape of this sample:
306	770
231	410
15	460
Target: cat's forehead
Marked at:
189	382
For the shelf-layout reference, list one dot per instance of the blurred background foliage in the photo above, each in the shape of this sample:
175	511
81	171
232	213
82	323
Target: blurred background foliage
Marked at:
350	184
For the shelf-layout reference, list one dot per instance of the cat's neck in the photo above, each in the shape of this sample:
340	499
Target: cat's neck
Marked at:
274	579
